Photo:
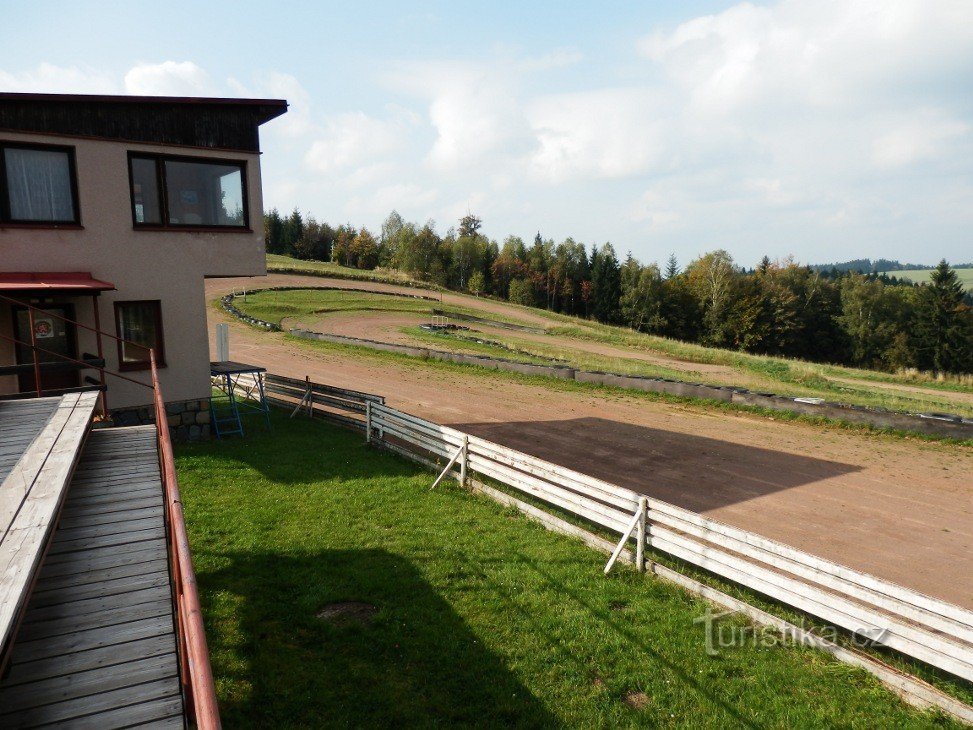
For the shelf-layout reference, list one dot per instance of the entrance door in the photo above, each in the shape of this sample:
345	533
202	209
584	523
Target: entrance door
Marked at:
50	333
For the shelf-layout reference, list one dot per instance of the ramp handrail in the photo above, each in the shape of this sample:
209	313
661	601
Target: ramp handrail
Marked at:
196	673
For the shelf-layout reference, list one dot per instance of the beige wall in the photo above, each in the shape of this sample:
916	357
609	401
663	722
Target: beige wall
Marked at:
164	265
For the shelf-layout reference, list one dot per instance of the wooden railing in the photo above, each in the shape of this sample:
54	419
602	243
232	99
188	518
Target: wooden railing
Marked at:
875	611
195	671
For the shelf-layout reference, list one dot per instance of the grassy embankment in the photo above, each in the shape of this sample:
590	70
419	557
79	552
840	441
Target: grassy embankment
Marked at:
573	341
482	617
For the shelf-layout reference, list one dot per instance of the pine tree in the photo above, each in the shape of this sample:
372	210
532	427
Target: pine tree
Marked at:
672	268
606	280
942	328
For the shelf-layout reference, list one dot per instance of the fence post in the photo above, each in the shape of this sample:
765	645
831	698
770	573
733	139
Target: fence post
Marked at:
368	422
310	403
462	464
640	535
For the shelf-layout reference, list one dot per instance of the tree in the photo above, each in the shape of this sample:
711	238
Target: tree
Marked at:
521	292
292	230
607	285
711	278
641	298
364	250
672	267
274	232
943	327
477	283
342	249
872	314
315	242
469	226
389	238
418	252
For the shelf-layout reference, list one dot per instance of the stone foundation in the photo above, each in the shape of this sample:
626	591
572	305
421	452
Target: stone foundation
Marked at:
188	420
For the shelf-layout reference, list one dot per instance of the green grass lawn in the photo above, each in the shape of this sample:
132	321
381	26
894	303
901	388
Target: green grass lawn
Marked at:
483	618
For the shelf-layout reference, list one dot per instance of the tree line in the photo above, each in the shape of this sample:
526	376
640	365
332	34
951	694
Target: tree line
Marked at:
780	308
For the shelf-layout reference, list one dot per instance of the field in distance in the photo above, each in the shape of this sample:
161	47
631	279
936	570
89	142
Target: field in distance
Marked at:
920	276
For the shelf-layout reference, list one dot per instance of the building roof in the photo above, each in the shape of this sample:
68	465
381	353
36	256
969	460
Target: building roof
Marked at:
79	281
214	123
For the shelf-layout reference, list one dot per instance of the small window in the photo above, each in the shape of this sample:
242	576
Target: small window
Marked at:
139	325
180	192
37	185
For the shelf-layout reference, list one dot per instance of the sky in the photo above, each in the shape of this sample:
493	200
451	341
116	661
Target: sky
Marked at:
823	130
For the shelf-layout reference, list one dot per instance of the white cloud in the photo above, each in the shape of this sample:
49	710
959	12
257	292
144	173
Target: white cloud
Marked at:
351	139
926	136
608	133
169	78
50	79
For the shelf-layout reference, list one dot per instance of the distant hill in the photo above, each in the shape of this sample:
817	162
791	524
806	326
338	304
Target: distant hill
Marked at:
867	266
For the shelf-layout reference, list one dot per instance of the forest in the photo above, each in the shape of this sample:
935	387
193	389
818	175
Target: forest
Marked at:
821	314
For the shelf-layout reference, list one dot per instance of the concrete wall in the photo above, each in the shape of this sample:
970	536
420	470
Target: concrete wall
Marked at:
166	265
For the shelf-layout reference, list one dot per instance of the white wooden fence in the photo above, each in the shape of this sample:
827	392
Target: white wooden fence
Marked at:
919	626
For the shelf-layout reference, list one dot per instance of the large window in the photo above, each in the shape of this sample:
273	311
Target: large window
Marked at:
139	324
181	192
37	185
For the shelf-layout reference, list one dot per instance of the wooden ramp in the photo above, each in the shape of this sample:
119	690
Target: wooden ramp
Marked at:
97	645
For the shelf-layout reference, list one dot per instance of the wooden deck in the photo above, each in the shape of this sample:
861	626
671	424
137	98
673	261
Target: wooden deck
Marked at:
97	646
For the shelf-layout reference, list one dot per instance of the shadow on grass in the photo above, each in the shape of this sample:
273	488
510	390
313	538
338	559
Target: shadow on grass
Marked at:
414	663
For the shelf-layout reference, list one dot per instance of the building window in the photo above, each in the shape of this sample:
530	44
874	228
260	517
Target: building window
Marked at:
181	192
38	184
139	325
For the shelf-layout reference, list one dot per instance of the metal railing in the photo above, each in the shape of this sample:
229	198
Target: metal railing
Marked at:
195	672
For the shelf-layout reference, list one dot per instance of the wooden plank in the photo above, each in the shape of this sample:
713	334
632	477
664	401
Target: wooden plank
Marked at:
80	685
157	713
75	563
107	541
71	596
80	661
140	510
71	586
108	602
82	623
101	637
75	711
825	578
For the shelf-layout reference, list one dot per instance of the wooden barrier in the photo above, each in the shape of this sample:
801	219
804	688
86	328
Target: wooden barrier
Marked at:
919	626
318	400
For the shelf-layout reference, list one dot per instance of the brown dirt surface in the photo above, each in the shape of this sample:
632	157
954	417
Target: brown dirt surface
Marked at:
898	508
384	328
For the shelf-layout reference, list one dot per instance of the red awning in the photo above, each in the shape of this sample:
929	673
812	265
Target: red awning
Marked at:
79	281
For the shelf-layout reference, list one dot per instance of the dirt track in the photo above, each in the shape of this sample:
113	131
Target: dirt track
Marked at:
899	509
